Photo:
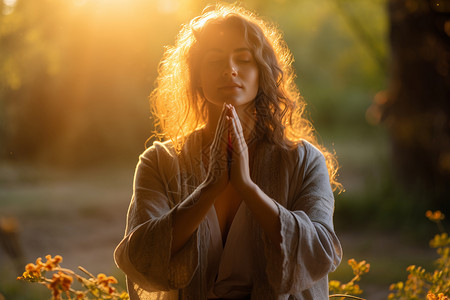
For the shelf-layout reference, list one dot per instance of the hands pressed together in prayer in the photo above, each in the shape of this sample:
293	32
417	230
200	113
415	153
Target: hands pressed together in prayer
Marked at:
228	164
229	157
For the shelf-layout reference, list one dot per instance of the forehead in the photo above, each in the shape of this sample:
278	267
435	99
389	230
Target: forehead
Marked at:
219	38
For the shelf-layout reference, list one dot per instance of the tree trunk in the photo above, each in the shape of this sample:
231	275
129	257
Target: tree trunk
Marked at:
417	110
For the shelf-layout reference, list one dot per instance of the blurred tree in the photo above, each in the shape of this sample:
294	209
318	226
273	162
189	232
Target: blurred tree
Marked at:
27	50
75	74
75	77
416	108
338	73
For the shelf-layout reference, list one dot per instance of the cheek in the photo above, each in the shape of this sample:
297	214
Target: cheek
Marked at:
255	78
206	76
205	83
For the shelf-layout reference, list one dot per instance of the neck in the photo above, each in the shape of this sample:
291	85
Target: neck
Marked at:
244	112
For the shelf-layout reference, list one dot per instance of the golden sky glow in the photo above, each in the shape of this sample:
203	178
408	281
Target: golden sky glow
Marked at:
83	69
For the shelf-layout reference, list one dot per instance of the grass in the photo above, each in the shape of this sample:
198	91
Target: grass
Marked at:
79	215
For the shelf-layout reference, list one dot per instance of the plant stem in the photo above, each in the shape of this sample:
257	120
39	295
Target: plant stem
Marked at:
345	296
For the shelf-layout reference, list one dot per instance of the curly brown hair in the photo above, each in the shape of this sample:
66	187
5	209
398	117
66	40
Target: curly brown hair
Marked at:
179	107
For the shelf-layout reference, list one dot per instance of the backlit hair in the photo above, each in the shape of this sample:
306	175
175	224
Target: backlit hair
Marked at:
179	107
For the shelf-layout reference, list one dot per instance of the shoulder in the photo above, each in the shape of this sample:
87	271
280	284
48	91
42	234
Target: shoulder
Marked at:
160	147
311	172
166	150
309	148
160	153
304	153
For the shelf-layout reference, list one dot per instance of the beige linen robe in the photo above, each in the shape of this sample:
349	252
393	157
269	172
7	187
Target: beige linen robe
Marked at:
297	180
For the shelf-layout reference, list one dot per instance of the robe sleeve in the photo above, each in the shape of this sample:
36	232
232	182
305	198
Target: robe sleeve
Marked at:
309	248
144	252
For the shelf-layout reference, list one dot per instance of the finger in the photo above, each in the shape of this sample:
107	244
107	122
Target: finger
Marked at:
229	135
238	141
237	131
221	128
238	121
229	146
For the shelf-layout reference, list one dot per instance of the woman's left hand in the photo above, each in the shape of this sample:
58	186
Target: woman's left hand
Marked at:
240	170
262	206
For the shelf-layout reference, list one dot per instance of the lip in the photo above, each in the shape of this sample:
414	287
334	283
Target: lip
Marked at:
230	85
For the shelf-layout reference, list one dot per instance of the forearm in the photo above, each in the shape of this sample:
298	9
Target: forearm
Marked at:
188	216
264	210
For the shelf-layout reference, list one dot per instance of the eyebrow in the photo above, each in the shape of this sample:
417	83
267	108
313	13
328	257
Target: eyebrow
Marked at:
235	50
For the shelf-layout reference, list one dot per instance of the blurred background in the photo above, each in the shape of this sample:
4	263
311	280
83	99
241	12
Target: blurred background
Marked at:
75	76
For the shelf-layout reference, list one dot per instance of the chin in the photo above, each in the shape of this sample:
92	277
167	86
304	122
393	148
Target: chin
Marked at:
237	102
233	101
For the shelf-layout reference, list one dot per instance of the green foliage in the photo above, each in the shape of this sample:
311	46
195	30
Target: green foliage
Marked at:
421	284
336	73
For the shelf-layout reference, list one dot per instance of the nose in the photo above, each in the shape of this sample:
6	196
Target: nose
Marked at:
230	70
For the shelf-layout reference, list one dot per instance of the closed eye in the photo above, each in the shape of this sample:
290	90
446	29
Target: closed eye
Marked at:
244	58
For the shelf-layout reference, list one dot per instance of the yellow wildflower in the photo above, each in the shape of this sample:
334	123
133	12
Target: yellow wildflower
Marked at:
359	268
124	296
440	240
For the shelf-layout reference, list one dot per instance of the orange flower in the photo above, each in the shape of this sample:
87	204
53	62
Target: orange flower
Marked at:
440	296
431	296
105	281
33	270
52	263
436	216
39	263
60	282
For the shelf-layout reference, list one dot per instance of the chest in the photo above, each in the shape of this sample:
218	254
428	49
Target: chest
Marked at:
226	205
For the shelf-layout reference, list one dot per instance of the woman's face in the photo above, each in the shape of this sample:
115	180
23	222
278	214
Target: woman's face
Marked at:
228	70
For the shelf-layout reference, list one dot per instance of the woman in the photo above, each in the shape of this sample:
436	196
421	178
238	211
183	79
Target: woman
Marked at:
238	202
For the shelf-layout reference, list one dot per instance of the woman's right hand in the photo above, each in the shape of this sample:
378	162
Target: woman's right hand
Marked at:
217	173
190	213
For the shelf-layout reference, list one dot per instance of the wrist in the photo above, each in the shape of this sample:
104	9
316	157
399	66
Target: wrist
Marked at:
248	189
210	188
205	187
